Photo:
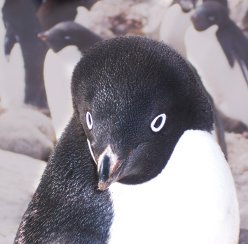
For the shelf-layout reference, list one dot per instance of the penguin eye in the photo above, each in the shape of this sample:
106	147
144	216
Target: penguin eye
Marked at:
211	18
89	120
67	38
158	123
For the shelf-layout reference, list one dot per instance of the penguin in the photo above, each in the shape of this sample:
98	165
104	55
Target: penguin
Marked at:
69	33
224	76
58	68
231	38
137	162
179	15
22	26
60	39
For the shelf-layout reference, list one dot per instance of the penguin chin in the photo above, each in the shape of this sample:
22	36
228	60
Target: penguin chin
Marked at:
198	24
125	173
200	27
56	48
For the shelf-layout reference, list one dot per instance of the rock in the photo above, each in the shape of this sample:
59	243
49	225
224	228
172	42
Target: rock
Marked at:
19	176
26	131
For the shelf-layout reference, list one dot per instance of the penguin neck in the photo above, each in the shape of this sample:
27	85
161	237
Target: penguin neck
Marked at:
84	40
77	165
68	191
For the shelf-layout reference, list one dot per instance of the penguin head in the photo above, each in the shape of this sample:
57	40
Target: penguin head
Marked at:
186	5
61	35
134	98
208	14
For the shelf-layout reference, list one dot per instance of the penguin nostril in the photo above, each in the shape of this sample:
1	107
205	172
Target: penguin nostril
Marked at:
42	36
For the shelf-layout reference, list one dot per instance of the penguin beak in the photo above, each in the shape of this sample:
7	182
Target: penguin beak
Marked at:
42	36
108	167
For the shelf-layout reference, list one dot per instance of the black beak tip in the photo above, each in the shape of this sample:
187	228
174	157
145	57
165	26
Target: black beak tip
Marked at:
104	171
102	186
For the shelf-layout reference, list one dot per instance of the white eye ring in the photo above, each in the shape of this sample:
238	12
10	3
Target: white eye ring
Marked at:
89	120
158	127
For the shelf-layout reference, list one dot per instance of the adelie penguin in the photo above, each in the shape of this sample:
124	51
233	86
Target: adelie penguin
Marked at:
223	62
64	39
69	33
178	14
22	26
137	162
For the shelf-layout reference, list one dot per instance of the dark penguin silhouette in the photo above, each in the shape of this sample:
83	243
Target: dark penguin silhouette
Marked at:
22	26
243	236
69	33
188	5
142	118
231	38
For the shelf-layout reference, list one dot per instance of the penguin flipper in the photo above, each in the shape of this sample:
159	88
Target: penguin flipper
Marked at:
9	42
220	131
244	68
235	54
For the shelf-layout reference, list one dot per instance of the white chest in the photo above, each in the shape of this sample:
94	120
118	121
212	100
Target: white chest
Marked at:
171	35
57	74
192	201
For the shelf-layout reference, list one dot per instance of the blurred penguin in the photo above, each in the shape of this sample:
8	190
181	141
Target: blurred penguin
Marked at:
22	27
219	51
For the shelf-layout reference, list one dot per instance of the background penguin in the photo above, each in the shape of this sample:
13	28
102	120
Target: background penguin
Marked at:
69	33
147	126
58	68
22	26
23	21
57	38
222	76
179	14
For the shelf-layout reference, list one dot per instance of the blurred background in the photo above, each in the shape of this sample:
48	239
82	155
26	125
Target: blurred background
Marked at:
42	40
